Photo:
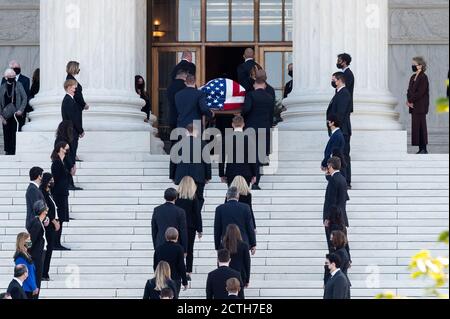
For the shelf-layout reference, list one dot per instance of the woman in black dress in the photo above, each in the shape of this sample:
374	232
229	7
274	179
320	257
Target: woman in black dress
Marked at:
161	281
61	188
187	200
140	89
53	227
245	195
239	252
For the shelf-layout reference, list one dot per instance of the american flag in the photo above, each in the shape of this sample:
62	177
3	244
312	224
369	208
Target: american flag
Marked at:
224	94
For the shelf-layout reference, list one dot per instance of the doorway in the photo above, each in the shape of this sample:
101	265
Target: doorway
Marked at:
222	62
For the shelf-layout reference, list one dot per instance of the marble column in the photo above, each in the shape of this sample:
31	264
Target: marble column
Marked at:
322	30
106	37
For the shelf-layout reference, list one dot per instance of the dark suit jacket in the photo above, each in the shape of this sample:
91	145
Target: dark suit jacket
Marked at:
241	261
288	89
341	106
79	98
238	158
350	83
174	88
199	171
37	233
336	195
419	94
248	200
166	216
173	254
217	282
244	78
190	105
61	177
193	213
336	142
236	213
16	291
258	109
70	111
151	294
32	195
186	66
337	287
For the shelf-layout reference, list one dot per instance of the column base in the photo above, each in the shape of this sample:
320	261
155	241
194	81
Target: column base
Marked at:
29	143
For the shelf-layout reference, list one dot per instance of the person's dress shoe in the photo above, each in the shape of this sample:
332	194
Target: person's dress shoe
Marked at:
61	248
349	187
46	279
72	218
75	188
423	152
256	188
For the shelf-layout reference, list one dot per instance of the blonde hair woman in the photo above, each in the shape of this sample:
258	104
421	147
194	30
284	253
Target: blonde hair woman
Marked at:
22	257
245	194
188	200
161	281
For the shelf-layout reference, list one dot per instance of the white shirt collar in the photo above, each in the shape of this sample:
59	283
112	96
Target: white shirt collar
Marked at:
334	272
246	60
341	88
72	96
335	130
239	129
19	281
233	294
345	69
35	184
17	77
335	173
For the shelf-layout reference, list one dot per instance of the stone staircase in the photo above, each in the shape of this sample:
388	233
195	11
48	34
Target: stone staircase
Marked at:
398	206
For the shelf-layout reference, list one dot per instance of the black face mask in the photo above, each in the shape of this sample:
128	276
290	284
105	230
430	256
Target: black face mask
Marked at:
333	84
17	70
339	66
291	74
415	68
141	86
11	80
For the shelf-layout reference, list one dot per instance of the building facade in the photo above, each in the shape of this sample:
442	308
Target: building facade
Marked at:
217	31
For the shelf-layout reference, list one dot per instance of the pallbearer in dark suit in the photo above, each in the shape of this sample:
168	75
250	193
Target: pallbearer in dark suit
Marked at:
166	216
343	63
233	289
185	65
419	104
245	70
61	188
25	81
340	106
191	104
176	86
336	144
33	193
338	286
258	113
240	155
217	280
15	288
172	253
73	69
336	197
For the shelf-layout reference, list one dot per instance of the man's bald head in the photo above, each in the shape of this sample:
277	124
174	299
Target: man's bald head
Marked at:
187	56
14	64
249	53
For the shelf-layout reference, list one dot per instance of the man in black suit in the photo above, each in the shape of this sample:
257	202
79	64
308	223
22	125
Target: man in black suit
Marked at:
172	253
216	283
240	151
37	235
192	162
185	64
176	86
343	63
166	216
336	142
258	112
26	83
15	288
341	106
336	196
233	289
290	85
244	70
233	212
71	111
338	286
33	193
190	104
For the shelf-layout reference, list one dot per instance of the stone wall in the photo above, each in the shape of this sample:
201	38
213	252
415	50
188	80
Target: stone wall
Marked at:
417	27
